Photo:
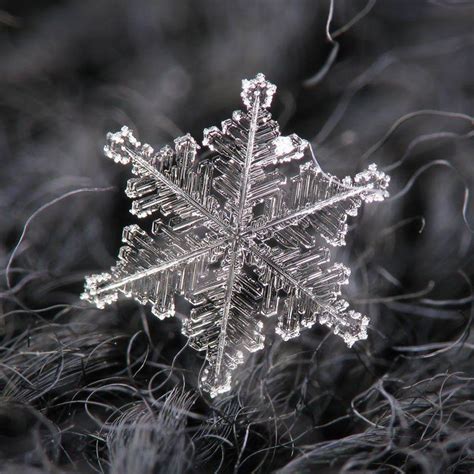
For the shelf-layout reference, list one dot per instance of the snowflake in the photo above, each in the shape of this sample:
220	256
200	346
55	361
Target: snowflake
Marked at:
239	234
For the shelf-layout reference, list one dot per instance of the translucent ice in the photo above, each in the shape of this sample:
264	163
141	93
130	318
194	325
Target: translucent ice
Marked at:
237	234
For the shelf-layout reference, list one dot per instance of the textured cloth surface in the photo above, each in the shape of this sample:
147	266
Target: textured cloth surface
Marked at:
85	390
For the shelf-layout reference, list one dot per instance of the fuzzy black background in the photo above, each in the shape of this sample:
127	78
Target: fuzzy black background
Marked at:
84	390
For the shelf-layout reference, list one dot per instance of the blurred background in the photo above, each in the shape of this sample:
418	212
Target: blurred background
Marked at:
84	390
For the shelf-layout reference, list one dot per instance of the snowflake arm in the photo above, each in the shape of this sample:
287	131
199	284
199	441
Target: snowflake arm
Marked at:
323	202
247	144
153	269
225	321
170	181
311	290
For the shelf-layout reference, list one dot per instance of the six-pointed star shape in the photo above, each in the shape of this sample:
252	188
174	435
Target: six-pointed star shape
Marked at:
238	234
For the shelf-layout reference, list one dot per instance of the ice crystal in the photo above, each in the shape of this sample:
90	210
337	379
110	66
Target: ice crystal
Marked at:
237	234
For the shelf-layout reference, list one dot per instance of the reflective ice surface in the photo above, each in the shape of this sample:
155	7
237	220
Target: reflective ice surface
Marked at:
241	234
